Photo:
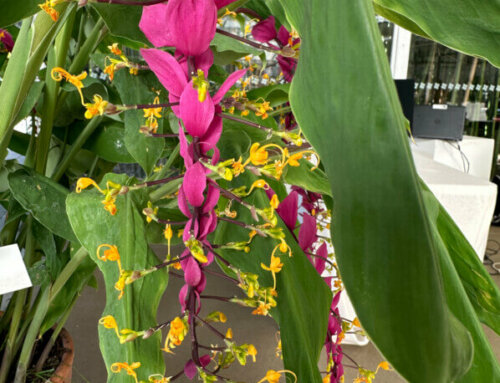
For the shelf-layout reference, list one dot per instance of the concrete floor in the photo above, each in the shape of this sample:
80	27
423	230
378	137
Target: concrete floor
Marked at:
89	367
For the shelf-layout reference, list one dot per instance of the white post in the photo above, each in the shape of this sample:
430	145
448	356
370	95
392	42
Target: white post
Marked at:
400	54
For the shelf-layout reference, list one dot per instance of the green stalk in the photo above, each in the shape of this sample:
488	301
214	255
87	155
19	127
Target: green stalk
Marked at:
67	272
56	58
82	57
55	334
19	305
168	188
166	168
31	335
77	145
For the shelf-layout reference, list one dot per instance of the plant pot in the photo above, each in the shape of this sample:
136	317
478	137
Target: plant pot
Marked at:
64	370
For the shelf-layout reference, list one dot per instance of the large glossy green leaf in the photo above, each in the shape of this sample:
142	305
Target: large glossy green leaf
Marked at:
137	309
468	26
399	20
302	294
44	198
307	178
484	367
122	20
482	291
138	90
346	104
13	10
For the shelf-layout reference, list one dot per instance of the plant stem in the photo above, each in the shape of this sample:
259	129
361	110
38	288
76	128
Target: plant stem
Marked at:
31	335
168	188
55	334
246	122
77	145
247	41
67	272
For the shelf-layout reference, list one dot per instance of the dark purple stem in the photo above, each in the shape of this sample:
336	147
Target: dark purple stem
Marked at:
242	121
152	106
168	135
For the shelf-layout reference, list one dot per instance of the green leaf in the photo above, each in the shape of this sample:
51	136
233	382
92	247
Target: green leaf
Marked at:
484	367
46	241
399	20
44	198
11	82
108	142
467	26
311	180
30	101
75	284
95	226
482	291
13	10
122	20
302	293
138	90
275	94
344	99
226	49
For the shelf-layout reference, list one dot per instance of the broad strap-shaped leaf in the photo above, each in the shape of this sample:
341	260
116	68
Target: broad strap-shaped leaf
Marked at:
122	21
13	10
44	198
137	309
484	367
468	26
345	101
482	291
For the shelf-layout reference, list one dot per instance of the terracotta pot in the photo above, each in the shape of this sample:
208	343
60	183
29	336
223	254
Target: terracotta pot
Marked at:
64	371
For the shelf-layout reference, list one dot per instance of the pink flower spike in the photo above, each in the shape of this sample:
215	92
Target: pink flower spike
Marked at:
190	369
167	69
230	81
203	61
212	136
288	209
191	25
223	3
196	115
183	295
194	184
183	206
283	35
192	271
154	25
186	150
213	195
205	360
307	232
7	40
265	30
320	261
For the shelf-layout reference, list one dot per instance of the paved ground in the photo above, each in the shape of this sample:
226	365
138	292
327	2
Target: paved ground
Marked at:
89	366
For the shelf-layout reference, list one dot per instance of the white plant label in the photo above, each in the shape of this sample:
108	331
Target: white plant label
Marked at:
13	273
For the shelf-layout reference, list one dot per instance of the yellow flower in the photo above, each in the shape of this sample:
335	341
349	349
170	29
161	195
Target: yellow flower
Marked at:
274	267
275	201
111	254
274	376
252	351
84	183
109	204
58	74
258	155
117	367
110	71
95	108
176	334
48	8
229	333
201	84
110	322
262	109
115	49
262	309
